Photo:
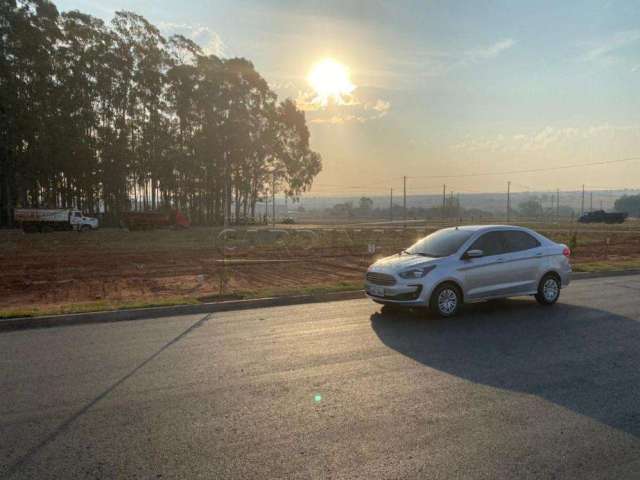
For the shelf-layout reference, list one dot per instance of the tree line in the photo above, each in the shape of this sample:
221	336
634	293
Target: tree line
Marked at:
365	209
111	117
629	204
452	208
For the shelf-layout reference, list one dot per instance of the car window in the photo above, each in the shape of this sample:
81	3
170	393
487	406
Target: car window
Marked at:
491	243
77	214
442	243
519	241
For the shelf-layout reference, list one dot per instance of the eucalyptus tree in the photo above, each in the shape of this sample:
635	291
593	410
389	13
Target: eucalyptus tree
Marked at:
182	83
145	62
298	164
83	69
109	117
8	107
29	31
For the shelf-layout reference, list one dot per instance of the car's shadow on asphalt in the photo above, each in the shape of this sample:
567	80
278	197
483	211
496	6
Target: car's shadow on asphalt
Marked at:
580	358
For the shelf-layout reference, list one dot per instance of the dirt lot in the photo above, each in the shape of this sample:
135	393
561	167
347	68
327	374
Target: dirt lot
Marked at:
67	271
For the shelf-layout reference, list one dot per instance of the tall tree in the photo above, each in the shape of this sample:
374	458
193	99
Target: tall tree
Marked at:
110	117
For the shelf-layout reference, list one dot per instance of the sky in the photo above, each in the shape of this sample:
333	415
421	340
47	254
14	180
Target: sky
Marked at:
441	90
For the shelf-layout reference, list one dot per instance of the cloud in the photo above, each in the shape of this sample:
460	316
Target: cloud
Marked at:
339	119
490	51
381	106
439	63
209	40
360	106
354	110
548	138
604	50
308	101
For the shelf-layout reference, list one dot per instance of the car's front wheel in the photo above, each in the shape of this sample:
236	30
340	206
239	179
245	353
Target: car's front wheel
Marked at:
548	290
445	300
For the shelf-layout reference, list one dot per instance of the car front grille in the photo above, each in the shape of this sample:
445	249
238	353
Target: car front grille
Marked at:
406	296
380	278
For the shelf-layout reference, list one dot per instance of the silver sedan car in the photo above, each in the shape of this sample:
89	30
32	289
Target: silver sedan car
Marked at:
470	264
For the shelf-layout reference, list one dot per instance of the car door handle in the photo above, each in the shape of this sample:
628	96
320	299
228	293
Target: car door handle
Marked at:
499	260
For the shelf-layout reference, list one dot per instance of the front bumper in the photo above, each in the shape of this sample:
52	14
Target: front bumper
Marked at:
410	295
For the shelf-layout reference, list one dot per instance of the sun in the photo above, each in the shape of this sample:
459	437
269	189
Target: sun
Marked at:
331	82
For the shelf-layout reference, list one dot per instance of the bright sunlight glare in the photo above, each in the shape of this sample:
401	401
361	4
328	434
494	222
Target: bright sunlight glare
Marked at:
331	82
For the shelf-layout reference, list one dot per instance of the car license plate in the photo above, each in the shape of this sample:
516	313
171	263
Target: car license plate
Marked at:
377	291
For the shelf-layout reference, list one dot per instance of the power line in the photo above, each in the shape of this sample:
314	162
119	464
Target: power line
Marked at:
533	170
373	185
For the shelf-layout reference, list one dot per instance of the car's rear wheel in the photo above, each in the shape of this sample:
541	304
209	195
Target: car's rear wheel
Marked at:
548	290
445	300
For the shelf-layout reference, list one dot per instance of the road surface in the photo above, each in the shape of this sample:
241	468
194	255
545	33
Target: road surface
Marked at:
336	390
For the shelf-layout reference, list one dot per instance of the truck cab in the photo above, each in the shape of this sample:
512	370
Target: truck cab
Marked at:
81	223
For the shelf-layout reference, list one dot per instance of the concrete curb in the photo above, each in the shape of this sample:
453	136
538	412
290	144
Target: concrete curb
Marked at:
173	311
203	308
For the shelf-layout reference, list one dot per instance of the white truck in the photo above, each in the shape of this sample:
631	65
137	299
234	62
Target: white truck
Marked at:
49	219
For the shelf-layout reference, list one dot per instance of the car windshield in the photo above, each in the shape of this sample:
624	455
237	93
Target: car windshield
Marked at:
441	243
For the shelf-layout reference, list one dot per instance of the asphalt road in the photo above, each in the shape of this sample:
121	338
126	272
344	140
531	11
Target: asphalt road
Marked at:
336	390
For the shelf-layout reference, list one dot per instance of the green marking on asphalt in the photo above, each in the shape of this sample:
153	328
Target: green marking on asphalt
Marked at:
317	398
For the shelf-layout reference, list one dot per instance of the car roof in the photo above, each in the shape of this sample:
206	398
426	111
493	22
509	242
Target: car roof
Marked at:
485	228
477	228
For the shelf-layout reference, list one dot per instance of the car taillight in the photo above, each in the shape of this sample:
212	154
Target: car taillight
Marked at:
566	252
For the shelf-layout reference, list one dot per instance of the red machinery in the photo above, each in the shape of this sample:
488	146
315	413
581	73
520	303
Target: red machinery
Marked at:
153	219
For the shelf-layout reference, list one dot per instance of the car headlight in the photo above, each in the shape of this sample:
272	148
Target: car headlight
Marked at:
417	272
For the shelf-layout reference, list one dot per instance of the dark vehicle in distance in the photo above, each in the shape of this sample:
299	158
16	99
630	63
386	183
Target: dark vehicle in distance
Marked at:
600	216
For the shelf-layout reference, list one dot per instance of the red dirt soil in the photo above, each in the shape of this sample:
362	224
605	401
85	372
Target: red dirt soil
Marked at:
69	268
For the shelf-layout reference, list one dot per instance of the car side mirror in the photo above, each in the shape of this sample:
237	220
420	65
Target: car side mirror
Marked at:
473	254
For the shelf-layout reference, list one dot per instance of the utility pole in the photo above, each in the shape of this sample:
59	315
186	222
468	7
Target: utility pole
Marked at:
404	199
591	201
273	198
452	205
558	205
508	200
582	204
444	199
225	220
391	205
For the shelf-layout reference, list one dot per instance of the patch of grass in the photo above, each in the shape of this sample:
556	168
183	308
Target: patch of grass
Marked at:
607	265
100	306
317	289
105	306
